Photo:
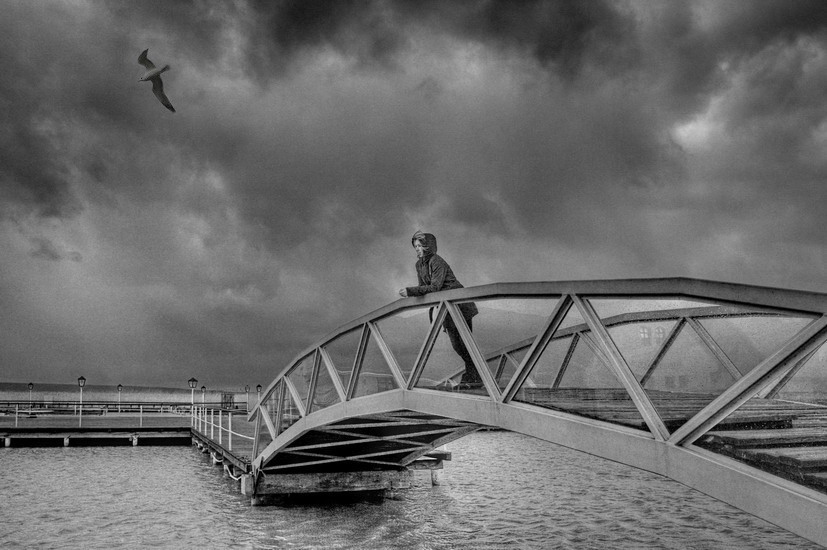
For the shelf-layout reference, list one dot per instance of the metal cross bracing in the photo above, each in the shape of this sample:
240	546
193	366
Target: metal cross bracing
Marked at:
661	374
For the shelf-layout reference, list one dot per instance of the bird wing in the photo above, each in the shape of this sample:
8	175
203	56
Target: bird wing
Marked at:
158	90
142	59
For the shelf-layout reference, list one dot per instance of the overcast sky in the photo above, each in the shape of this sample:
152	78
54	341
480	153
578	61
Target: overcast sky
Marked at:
537	140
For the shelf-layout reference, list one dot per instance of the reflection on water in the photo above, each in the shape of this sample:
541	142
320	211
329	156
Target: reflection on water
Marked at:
502	490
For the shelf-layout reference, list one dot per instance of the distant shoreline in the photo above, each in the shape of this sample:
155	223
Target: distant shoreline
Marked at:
44	394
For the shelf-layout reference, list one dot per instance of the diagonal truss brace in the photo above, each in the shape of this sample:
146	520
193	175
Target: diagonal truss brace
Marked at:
473	350
764	375
621	370
537	347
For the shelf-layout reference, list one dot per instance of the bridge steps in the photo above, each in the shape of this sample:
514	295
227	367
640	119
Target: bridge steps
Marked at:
612	405
796	453
94	437
801	458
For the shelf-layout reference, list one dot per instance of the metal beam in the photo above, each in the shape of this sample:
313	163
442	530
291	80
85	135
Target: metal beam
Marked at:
713	346
294	393
427	345
621	370
472	349
538	347
341	391
265	415
561	370
398	377
667	344
314	377
453	436
768	372
771	392
357	361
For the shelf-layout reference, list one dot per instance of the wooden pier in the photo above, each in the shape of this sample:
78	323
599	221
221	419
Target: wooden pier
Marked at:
94	437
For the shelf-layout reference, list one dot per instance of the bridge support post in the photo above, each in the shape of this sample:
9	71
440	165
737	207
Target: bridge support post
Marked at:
7	441
248	485
436	477
65	441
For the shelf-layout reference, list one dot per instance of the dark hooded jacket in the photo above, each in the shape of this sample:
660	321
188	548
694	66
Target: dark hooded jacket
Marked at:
435	274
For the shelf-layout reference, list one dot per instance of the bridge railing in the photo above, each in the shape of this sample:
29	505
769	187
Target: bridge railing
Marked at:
673	358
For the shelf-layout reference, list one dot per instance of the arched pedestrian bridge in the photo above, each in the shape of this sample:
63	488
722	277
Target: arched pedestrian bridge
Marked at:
721	387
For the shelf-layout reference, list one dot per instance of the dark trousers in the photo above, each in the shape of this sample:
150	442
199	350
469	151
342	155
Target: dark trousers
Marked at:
471	374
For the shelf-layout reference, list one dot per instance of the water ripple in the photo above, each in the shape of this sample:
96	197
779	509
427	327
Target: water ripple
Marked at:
501	490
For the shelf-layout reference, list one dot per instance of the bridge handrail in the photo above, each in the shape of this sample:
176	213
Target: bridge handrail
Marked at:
793	301
770	300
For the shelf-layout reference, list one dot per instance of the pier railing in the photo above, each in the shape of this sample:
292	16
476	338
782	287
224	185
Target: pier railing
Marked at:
102	407
60	413
216	424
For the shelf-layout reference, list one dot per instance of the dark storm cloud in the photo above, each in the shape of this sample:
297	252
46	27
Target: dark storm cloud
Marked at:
570	139
562	34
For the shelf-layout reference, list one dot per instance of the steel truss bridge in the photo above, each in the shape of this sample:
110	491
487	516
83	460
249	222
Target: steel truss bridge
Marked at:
721	387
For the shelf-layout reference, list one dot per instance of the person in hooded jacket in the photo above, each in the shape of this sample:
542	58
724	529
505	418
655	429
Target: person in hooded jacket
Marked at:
434	274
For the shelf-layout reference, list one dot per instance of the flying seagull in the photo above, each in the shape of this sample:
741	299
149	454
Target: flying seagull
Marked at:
154	75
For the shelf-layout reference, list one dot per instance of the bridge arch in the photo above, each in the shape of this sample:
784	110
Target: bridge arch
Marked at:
666	375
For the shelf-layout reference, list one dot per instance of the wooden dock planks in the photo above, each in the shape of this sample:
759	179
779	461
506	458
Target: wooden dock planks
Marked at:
786	438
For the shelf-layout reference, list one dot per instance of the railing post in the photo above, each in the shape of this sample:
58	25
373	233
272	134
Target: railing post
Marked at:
220	428
141	416
15	414
212	423
230	430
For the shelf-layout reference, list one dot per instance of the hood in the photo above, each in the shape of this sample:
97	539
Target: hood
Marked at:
428	241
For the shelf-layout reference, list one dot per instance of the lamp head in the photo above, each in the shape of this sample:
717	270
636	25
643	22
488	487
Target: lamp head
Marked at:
81	381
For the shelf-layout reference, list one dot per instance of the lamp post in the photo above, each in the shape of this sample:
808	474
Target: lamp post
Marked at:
81	383
247	400
120	389
203	393
30	396
192	382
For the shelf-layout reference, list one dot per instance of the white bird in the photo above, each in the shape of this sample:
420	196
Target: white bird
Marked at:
154	75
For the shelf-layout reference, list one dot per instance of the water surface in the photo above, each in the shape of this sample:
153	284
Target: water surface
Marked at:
501	490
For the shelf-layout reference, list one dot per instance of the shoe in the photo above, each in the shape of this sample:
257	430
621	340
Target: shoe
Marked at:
467	386
474	380
470	378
